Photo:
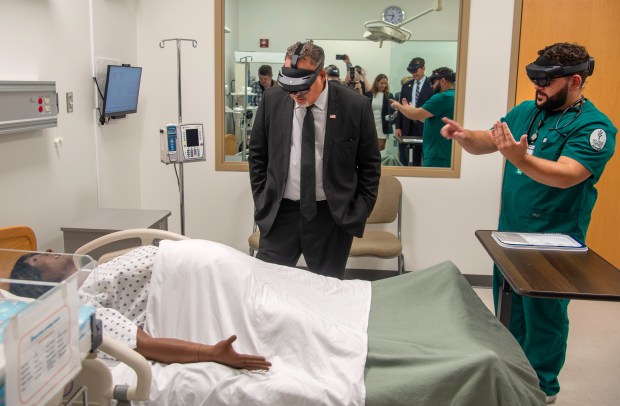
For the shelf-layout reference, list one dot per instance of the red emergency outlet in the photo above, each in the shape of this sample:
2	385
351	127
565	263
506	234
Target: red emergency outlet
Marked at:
264	43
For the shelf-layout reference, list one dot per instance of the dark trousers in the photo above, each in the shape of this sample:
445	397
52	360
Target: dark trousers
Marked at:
325	246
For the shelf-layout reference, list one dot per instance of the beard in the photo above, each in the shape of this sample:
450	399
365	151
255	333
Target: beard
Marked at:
553	102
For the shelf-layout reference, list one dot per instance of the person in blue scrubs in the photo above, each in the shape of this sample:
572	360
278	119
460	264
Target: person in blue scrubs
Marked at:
556	148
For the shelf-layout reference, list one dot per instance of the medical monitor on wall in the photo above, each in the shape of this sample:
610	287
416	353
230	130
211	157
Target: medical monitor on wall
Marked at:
122	87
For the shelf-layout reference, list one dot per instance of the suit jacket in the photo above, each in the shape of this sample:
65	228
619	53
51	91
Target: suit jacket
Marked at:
413	127
351	158
385	110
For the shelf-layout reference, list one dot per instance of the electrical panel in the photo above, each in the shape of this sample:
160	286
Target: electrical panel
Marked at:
27	106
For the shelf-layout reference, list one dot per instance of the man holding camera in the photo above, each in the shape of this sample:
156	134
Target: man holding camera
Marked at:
415	92
356	75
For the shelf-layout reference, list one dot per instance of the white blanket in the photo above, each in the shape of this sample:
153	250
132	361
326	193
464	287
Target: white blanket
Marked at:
313	329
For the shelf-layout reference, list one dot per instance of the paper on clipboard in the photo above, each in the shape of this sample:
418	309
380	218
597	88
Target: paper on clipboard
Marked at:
549	241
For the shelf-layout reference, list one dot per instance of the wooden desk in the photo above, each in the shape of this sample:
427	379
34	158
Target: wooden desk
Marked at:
551	274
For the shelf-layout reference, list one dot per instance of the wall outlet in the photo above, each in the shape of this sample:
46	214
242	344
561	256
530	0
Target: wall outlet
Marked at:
69	102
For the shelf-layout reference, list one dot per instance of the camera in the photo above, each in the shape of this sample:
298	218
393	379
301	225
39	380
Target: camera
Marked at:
352	81
340	57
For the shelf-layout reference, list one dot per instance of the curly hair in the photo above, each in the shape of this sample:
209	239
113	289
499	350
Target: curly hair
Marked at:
567	54
310	51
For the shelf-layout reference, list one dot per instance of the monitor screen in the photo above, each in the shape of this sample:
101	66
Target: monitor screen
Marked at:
121	90
192	137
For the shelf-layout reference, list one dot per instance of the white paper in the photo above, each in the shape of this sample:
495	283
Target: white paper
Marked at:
41	345
536	240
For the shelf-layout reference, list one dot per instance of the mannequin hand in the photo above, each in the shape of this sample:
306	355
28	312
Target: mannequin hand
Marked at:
224	353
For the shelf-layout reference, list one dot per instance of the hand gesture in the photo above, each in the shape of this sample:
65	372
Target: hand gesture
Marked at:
452	130
512	150
224	353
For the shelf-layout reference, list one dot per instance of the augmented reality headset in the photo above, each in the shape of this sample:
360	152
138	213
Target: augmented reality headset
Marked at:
413	67
543	70
449	75
293	79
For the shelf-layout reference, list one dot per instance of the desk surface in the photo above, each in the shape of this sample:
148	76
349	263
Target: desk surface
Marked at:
554	274
108	220
408	140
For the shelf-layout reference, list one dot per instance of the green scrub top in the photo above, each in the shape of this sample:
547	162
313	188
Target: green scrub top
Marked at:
590	139
436	149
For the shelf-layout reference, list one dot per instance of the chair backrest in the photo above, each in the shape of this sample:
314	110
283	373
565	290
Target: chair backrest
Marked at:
388	200
14	238
230	144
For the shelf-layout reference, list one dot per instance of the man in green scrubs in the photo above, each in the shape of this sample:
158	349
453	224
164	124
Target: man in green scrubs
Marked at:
556	148
437	149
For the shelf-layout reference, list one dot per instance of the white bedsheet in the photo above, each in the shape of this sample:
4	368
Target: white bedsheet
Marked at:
313	329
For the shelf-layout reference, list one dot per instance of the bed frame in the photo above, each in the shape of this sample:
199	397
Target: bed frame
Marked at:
95	374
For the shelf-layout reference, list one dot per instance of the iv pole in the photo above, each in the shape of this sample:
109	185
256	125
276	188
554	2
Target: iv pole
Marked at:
162	44
244	131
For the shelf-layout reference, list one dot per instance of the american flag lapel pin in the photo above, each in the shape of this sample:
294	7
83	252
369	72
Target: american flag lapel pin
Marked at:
332	116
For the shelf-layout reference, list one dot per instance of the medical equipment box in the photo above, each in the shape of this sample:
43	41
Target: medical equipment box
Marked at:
27	106
181	143
42	343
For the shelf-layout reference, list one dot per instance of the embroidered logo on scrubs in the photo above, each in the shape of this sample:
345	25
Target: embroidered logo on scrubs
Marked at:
598	138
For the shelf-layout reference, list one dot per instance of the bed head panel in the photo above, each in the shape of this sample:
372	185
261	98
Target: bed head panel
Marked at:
14	238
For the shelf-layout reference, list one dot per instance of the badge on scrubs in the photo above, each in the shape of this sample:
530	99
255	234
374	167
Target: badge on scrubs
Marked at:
598	138
530	149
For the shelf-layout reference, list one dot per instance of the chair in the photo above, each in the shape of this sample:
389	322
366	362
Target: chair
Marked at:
14	238
374	243
230	144
379	243
254	239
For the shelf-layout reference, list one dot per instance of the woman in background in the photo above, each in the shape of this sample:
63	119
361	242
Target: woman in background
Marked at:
379	97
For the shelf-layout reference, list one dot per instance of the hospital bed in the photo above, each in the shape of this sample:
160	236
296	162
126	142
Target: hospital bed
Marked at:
431	341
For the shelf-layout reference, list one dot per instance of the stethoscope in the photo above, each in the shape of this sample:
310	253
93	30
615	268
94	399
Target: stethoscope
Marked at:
577	106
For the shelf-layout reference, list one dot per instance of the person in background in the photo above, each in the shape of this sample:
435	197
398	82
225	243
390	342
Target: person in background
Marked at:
265	81
416	92
364	84
353	81
437	149
119	291
333	75
298	209
379	97
556	148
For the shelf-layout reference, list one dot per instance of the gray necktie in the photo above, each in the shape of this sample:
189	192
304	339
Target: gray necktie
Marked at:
307	194
417	92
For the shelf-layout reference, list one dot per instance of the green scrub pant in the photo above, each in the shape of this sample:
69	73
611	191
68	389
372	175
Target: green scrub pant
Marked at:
541	328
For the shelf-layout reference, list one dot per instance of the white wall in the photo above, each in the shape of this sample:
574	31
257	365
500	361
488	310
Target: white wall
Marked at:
440	215
47	187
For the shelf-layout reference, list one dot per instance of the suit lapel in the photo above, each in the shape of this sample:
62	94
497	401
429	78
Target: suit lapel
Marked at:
330	125
287	124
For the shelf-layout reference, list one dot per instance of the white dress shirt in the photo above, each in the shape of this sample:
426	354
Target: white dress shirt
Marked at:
319	112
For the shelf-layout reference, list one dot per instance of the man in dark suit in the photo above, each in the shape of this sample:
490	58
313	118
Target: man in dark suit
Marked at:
413	128
347	166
